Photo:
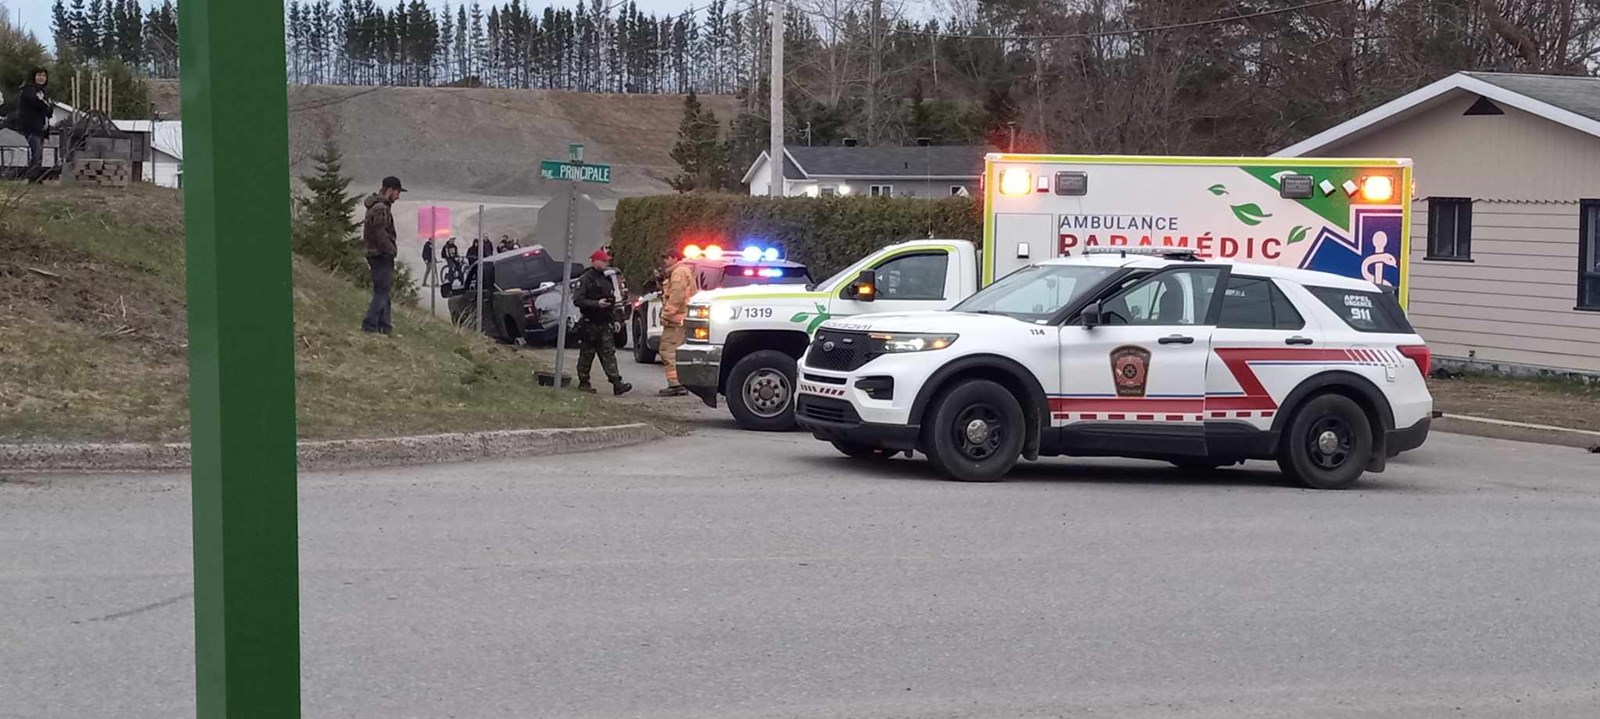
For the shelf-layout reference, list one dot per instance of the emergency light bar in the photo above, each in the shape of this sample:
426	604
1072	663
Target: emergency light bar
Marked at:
750	253
1171	253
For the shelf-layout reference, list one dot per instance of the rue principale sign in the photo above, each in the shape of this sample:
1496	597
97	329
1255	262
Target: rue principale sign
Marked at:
556	170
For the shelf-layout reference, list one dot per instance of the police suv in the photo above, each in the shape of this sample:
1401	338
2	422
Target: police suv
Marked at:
713	268
1157	356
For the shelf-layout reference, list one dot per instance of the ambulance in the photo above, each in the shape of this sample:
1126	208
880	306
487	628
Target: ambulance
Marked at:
1349	217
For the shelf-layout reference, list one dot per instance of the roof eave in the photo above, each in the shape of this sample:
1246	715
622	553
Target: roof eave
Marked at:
1405	104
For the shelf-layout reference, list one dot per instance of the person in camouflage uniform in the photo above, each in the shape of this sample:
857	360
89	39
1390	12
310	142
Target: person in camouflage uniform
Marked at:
596	309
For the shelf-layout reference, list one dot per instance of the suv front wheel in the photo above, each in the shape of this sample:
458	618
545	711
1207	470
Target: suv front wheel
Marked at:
973	432
1328	443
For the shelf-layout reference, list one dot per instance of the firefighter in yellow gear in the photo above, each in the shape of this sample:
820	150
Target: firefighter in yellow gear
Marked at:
676	290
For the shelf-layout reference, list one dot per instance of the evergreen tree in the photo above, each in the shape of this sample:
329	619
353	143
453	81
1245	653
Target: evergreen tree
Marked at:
697	151
324	228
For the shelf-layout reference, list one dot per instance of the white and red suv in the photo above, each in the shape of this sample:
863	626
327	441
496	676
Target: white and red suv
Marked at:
1166	357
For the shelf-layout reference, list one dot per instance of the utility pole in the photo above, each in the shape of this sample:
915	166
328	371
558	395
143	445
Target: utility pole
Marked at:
775	152
874	71
575	153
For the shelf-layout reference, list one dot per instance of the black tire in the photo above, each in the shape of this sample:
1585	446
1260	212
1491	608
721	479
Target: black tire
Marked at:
968	453
642	353
620	339
1327	444
862	451
509	334
760	391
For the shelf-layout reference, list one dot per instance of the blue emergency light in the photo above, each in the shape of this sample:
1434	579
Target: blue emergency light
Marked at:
757	253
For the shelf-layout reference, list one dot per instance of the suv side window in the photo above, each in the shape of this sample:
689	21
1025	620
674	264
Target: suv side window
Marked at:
1256	303
1365	311
913	277
1176	297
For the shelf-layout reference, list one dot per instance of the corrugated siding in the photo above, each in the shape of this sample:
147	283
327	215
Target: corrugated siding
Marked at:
1514	302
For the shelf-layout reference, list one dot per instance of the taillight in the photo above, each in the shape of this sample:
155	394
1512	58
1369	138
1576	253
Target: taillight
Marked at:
1419	354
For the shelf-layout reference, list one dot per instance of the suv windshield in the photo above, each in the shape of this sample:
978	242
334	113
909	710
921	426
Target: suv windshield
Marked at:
1037	292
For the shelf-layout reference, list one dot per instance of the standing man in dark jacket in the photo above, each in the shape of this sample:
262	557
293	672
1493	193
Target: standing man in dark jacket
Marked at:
596	303
34	109
377	231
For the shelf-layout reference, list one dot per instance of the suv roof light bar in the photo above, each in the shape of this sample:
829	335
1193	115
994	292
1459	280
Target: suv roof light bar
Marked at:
1170	253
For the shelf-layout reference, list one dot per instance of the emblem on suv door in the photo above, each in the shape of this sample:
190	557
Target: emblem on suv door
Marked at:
1130	368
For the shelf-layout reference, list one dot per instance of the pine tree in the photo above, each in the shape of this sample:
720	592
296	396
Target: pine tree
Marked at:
697	151
324	229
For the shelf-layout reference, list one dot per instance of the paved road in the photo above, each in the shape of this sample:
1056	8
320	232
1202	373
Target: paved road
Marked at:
742	575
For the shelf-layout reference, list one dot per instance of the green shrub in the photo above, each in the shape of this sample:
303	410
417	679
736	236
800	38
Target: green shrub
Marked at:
825	233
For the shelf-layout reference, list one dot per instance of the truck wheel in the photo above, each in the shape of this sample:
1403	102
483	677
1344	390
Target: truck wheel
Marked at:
761	391
862	451
973	432
1328	444
641	344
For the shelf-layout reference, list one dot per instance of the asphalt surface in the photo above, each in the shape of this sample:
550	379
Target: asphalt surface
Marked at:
729	574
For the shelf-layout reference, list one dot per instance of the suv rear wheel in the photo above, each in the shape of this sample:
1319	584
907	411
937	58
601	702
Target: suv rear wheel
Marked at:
1328	444
973	432
760	391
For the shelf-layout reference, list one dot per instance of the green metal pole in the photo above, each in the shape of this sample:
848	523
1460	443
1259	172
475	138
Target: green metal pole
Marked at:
241	359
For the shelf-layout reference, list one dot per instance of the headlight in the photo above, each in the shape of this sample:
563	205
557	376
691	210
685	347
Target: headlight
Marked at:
699	312
894	343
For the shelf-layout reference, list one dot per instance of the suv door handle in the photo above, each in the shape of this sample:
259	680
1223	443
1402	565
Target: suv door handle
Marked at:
1299	341
1176	340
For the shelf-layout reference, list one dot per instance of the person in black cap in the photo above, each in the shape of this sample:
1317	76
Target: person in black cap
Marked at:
377	231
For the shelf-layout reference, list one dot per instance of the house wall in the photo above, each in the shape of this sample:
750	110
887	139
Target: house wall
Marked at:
902	187
163	170
1514	303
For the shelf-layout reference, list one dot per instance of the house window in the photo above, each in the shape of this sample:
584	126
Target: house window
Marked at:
1589	256
830	192
1450	228
880	190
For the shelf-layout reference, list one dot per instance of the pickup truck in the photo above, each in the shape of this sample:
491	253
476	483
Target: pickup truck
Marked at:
745	343
522	301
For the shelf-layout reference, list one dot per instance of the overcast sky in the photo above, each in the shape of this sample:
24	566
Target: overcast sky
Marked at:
35	14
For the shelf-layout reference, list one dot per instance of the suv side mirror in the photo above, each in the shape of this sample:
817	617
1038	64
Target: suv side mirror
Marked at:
864	288
1092	315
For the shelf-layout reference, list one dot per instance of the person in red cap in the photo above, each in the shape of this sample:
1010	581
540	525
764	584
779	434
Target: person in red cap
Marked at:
596	301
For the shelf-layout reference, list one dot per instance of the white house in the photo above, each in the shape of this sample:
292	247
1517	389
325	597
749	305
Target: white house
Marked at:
1505	264
932	171
165	167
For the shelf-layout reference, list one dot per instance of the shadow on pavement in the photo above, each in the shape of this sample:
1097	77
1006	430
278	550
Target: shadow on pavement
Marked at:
1068	470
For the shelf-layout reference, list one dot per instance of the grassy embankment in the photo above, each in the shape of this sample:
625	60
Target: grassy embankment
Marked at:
93	339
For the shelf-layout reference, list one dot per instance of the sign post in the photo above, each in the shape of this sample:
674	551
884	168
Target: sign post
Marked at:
481	258
575	152
241	360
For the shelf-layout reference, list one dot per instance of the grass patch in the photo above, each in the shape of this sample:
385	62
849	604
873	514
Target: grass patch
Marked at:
93	340
1556	402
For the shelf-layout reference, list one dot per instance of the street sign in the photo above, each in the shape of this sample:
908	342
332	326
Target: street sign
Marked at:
552	170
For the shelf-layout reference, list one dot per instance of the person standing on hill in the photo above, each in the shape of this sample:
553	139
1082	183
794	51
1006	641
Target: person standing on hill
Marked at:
377	232
34	109
676	290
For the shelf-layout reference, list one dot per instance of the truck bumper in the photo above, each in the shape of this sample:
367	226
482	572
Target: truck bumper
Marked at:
699	368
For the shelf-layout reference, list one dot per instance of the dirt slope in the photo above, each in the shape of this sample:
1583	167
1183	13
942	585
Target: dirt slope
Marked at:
464	142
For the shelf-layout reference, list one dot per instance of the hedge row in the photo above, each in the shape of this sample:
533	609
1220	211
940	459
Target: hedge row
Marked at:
825	233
